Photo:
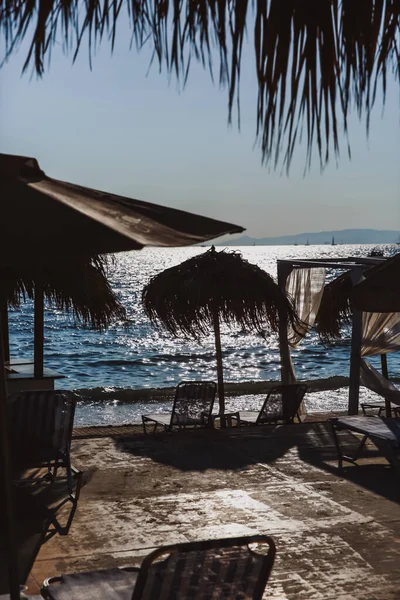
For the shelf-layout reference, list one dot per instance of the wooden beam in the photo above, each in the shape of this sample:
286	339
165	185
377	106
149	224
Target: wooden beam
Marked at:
38	353
7	516
385	373
355	356
4	323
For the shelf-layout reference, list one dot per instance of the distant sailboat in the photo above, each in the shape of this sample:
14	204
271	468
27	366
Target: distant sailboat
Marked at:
307	243
333	241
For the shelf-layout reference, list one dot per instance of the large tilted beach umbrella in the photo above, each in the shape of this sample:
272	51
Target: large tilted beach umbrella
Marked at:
194	297
42	221
314	61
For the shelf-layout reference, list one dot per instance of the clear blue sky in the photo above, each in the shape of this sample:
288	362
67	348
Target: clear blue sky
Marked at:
115	129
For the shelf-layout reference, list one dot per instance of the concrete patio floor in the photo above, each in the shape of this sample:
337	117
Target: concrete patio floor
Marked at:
337	534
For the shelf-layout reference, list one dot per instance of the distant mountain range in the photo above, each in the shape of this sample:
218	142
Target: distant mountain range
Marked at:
344	236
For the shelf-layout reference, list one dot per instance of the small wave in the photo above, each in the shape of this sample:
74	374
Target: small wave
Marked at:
130	395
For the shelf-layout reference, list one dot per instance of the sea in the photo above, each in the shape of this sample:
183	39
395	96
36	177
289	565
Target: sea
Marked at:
134	355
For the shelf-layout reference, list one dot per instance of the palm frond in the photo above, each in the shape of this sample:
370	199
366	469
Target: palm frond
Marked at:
313	59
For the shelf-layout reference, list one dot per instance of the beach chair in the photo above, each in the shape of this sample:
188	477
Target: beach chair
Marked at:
40	430
193	404
39	514
376	382
282	404
225	568
384	433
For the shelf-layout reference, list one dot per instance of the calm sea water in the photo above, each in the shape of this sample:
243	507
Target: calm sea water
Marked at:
135	355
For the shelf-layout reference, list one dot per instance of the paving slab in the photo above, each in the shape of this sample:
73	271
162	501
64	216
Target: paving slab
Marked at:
337	534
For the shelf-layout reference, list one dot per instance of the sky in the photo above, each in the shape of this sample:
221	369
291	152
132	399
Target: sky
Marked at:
121	129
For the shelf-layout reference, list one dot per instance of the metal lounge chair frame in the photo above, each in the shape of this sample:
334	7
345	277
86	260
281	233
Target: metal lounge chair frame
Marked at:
372	379
40	426
202	569
384	433
192	407
291	397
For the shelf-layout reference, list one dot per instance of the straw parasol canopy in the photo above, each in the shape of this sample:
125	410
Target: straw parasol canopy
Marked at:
313	60
79	287
378	292
335	310
194	297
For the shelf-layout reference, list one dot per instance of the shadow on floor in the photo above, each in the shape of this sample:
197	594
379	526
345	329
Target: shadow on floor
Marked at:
41	509
235	449
372	473
199	450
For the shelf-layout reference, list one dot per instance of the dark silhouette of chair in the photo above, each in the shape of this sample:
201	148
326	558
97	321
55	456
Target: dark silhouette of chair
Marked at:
212	569
193	404
376	382
282	404
40	430
384	433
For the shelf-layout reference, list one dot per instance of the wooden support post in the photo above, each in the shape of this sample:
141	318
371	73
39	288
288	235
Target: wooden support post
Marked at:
385	373
284	271
220	371
4	323
7	516
355	357
38	332
384	366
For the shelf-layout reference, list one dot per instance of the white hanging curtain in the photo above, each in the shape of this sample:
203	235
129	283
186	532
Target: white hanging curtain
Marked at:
380	333
306	287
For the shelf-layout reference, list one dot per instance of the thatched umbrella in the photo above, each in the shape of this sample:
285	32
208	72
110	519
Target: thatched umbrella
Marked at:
379	291
314	60
194	297
78	287
44	220
335	310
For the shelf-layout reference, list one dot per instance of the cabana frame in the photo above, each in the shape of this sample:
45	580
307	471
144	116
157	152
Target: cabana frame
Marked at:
356	266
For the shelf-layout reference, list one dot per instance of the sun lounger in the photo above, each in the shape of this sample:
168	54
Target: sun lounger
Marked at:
225	568
376	382
384	433
282	404
40	430
39	514
193	404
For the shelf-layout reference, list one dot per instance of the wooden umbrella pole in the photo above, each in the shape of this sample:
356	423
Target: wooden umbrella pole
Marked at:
4	323
385	373
38	331
220	371
7	515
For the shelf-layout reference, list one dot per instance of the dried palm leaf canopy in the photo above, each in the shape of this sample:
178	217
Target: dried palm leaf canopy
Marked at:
79	286
314	60
378	292
335	311
195	296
